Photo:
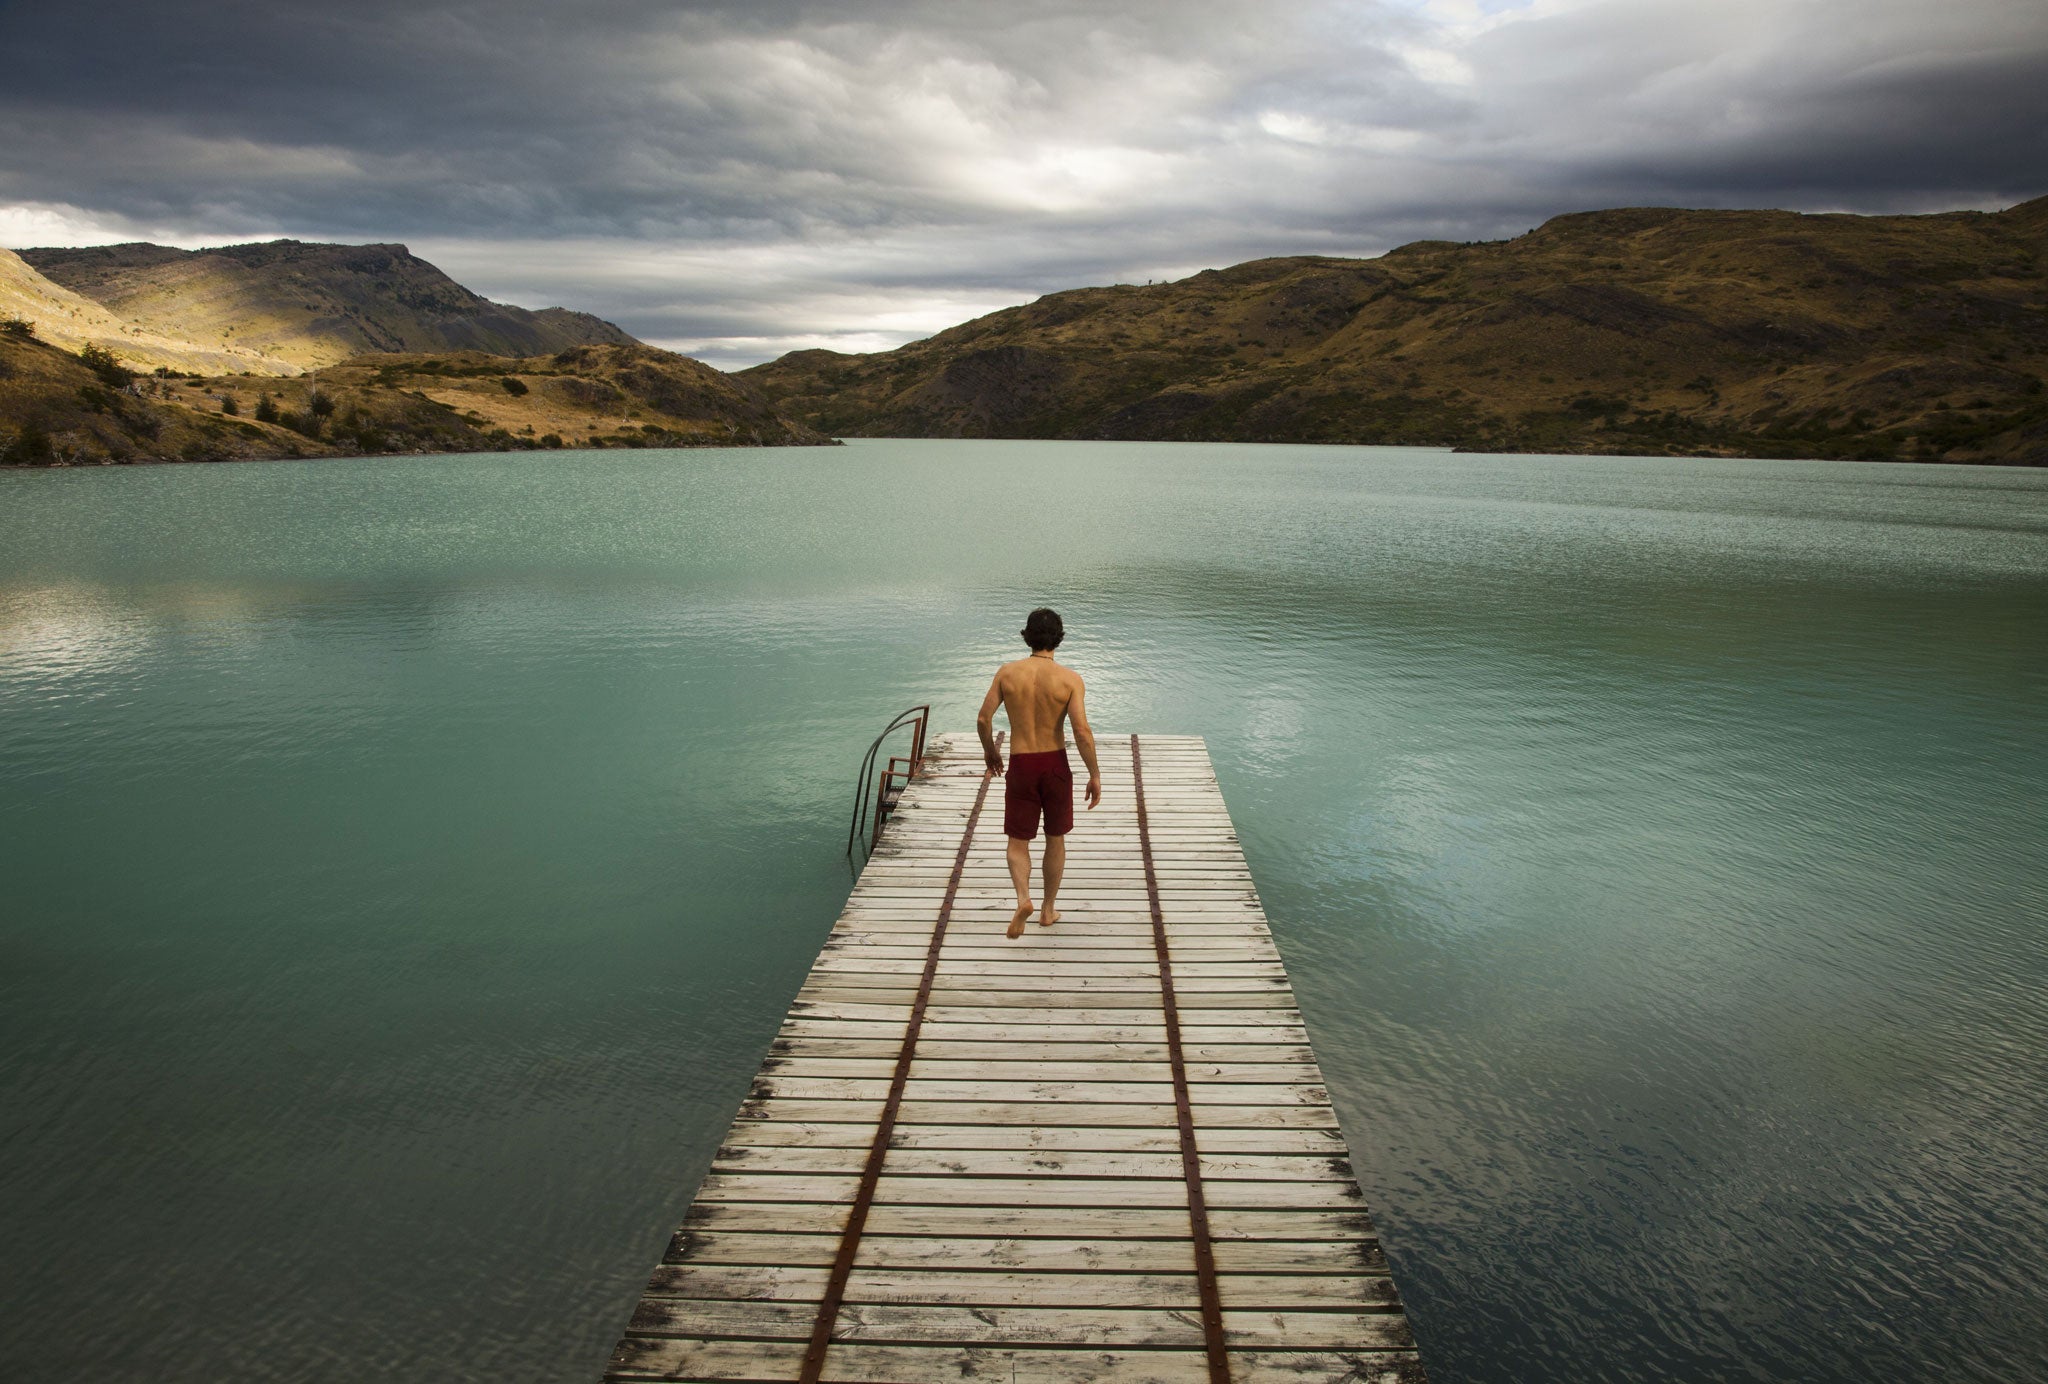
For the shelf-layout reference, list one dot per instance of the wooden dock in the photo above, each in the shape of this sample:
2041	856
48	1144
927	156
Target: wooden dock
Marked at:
1101	1152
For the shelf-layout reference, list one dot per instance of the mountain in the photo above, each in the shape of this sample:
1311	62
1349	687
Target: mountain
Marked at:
1641	330
67	319
57	408
305	305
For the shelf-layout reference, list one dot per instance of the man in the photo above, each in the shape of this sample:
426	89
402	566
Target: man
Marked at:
1039	696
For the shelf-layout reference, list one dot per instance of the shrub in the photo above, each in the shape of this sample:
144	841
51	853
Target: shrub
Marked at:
31	445
550	439
105	364
20	328
266	408
229	406
321	404
512	386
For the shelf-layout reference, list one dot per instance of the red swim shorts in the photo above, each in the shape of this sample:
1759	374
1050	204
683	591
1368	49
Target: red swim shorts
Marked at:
1037	783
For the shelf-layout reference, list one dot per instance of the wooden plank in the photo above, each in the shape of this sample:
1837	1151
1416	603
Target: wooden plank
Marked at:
1037	1069
1248	1224
1161	1163
1030	1050
1325	1142
819	1188
1090	1325
973	1282
1037	1113
776	1086
1266	1258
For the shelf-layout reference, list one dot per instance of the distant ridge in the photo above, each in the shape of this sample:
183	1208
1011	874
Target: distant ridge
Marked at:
1636	330
308	305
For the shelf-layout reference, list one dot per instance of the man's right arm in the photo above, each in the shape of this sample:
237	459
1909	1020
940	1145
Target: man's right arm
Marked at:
985	724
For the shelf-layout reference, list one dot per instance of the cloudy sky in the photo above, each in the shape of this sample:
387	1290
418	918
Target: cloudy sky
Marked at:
739	179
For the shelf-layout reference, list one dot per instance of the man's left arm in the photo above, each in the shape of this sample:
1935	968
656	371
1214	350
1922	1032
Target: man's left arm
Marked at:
1084	739
985	725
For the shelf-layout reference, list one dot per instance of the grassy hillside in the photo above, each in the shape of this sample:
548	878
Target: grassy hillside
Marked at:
309	305
1645	330
70	320
59	409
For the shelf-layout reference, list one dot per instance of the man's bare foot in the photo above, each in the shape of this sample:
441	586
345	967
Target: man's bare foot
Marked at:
1017	922
1048	917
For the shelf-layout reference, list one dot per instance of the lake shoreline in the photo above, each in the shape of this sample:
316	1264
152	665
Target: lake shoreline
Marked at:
2024	464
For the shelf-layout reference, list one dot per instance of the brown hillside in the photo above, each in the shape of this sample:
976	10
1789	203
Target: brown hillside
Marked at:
57	409
1639	330
310	305
69	320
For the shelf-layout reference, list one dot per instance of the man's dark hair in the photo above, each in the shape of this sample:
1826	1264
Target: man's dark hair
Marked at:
1043	630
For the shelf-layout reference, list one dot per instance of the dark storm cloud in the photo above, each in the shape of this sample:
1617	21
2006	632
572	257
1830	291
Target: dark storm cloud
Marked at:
742	177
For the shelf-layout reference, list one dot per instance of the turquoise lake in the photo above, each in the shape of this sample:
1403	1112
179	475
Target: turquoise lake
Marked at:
408	860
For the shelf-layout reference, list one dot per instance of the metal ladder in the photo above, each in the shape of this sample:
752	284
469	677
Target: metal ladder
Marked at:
870	814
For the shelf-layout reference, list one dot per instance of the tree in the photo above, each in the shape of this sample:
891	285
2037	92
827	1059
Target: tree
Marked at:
229	406
106	365
20	328
512	386
266	408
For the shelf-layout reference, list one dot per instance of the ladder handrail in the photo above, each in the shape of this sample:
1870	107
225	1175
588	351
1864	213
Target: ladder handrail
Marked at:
917	717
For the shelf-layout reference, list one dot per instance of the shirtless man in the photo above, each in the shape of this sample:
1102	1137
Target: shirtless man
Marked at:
1039	696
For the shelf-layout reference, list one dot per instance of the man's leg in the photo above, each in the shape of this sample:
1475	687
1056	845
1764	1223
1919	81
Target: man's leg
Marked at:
1055	867
1020	875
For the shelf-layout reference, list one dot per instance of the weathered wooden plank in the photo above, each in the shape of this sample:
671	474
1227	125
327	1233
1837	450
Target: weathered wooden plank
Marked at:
678	1358
1053	948
1066	968
1036	1113
816	1188
1037	1069
1079	980
1079	1138
1246	1009
1166	1164
972	1281
959	1286
1346	1258
1030	1050
1243	1224
1326	1367
1090	1325
682	1358
776	1086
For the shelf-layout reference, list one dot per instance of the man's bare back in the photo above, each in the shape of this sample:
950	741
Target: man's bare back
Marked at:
1037	694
